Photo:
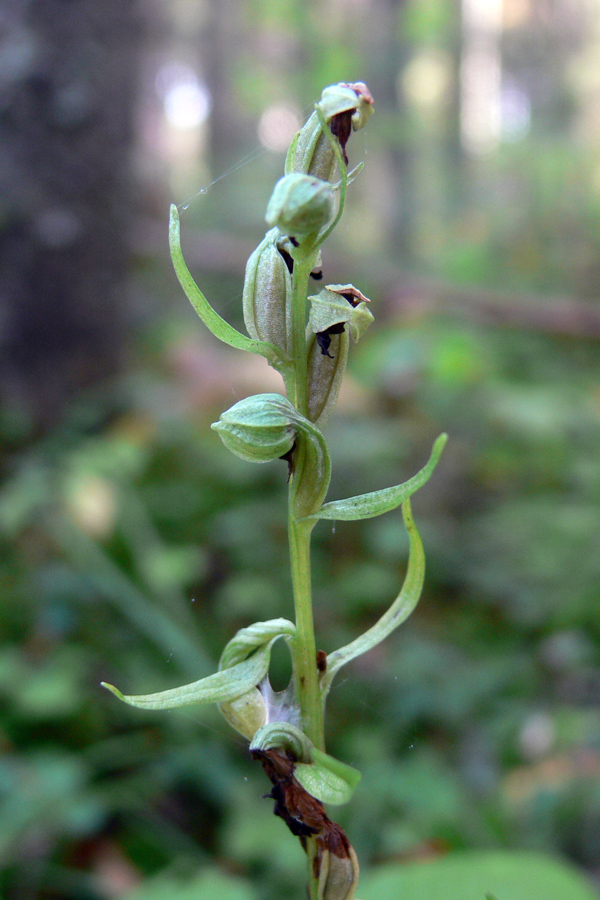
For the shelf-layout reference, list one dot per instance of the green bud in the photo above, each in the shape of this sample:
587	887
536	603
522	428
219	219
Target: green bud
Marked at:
345	107
268	294
300	205
259	428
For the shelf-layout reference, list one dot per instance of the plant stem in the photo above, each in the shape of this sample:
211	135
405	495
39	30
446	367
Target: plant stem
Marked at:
304	651
304	657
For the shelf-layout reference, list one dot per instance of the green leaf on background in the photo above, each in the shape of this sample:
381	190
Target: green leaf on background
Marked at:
470	876
366	506
207	885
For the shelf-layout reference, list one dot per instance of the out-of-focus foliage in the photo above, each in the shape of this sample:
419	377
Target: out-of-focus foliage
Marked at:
471	876
132	546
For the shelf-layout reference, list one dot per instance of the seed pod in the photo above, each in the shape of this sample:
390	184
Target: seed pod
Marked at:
268	294
325	375
338	875
259	428
345	107
300	205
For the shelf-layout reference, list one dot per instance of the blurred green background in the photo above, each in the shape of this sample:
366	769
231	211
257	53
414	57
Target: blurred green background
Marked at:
133	545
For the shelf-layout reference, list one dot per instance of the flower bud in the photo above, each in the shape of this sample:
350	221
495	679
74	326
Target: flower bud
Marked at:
259	428
268	294
300	205
345	107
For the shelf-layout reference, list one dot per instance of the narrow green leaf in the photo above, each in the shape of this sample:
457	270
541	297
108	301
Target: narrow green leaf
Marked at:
218	688
211	318
366	506
327	779
398	612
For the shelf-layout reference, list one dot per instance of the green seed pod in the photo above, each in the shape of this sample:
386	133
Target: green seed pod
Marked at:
345	107
268	294
259	428
337	313
300	205
325	374
247	713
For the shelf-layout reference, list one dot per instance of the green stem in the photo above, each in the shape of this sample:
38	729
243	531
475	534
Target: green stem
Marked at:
304	655
304	651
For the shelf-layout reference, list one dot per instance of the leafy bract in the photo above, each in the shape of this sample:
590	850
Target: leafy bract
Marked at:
218	688
398	612
367	506
211	318
244	663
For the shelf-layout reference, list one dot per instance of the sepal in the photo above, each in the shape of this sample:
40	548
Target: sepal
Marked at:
342	107
325	373
340	304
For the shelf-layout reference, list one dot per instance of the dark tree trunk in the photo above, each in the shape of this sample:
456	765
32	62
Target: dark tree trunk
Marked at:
67	85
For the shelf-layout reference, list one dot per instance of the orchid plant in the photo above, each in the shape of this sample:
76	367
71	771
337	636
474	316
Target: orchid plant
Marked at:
305	336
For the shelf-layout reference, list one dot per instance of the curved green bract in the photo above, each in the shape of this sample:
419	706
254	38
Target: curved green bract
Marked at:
244	663
211	318
367	506
218	688
398	612
248	639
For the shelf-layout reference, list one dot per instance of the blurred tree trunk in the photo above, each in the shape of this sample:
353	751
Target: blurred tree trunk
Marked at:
67	84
